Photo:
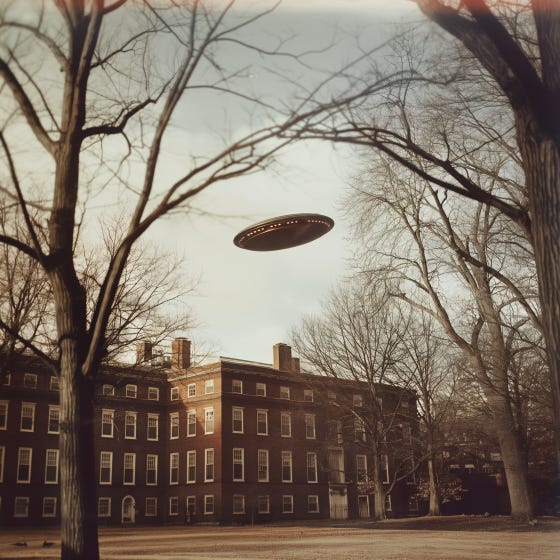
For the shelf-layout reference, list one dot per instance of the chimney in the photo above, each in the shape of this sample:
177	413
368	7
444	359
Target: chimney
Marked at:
181	353
295	365
143	353
282	357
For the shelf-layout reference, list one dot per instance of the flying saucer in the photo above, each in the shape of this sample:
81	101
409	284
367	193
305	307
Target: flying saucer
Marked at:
283	232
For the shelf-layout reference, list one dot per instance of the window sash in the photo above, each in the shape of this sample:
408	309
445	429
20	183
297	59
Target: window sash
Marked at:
208	465
262	422
51	466
191	466
53	425
151	470
191	423
262	465
25	455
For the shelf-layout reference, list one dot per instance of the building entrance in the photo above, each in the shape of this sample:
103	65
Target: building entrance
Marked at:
128	510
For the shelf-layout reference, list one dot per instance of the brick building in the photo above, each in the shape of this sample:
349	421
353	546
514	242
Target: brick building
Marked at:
231	441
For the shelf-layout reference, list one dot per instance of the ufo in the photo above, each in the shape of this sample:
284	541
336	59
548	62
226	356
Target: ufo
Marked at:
283	232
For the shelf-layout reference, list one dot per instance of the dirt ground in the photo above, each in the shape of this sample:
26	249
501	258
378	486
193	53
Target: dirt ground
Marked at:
449	538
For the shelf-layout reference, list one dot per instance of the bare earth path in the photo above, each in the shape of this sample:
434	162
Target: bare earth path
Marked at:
451	538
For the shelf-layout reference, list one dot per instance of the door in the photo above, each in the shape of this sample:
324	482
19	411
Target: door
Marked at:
128	510
338	502
363	507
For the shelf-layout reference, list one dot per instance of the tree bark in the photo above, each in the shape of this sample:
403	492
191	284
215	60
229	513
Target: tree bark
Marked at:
432	481
379	512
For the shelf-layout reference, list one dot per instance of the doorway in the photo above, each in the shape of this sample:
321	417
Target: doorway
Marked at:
363	507
128	510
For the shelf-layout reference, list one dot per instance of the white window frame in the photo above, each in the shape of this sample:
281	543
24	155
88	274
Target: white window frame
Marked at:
173	506
129	414
237	384
103	506
49	512
155	459
312	467
4	405
260	389
2	461
263	467
385	467
30	380
103	456
173	425
388	503
209	463
209	499
191	390
29	407
363	468
238	499
265	415
240	451
173	469
153	501
209	420
54	383
285	392
154	417
263	499
290	501
191	466
49	455
29	452
108	390
54	416
310	432
191	425
287	461
285	421
107	419
239	410
313	499
21	501
132	468
131	391
191	502
209	386
308	395
174	394
153	393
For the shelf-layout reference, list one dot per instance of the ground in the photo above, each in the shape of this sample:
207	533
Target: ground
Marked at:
449	538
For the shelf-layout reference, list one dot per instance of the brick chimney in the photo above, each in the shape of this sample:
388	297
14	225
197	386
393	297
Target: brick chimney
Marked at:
282	357
295	365
181	353
144	353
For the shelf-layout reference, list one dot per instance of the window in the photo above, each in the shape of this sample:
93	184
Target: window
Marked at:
49	506
359	430
174	468
361	468
191	505
209	420
263	465
51	466
238	504
262	422
104	507
153	427
151	470
307	396
407	434
130	425
286	424
108	391
151	507
208	504
174	425
263	504
191	423
237	386
153	393
131	391
24	465
238	464
313	504
175	393
357	399
129	469
106	467
284	392
30	381
385	467
2	460
287	504
208	465
388	503
286	466
331	396
107	422
27	422
237	420
174	505
191	390
191	467
3	415
21	507
208	386
6	379
334	431
54	385
310	426
53	425
260	390
312	467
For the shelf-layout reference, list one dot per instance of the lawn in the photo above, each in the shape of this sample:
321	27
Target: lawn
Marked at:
449	538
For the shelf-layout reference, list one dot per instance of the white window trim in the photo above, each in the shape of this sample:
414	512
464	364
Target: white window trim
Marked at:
267	479
267	511
235	409
174	394
152	416
316	501
133	455
32	406
26	501
154	500
291	510
206	410
308	393
6	406
172	416
242	463
45	500
177	469
110	454
263	386
285	389
57	455
290	455
28	480
314	455
52	409
135	391
106	500
156	469
360	455
54	383
173	499
209	383
207	464
233	382
191	453
110	393
110	412
287	415
206	512
242	512
265	433
153	389
191	413
312	425
130	413
189	387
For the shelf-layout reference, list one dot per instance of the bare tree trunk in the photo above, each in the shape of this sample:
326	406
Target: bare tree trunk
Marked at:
432	480
378	491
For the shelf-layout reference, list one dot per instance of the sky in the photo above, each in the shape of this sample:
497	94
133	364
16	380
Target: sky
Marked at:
247	301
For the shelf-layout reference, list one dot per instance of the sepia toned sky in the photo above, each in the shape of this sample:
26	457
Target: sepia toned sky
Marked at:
247	301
